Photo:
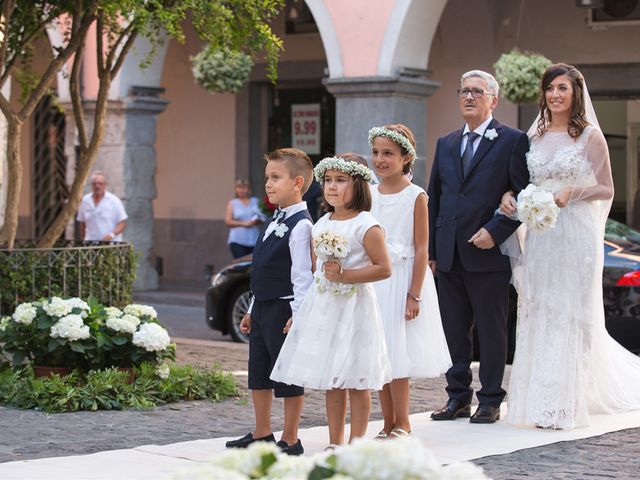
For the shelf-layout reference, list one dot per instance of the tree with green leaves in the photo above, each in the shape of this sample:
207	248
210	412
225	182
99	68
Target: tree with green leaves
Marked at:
223	25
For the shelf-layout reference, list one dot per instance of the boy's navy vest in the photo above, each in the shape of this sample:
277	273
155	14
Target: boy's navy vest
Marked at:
271	264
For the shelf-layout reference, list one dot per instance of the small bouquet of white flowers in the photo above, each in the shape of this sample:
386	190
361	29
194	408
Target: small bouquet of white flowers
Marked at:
331	247
537	209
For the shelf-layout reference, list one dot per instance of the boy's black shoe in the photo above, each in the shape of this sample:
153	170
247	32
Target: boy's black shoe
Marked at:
248	439
295	449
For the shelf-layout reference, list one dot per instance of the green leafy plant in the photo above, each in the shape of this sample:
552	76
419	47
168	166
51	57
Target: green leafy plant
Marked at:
109	389
518	74
221	70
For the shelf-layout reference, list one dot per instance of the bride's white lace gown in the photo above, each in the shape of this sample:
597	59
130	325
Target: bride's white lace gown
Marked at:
566	365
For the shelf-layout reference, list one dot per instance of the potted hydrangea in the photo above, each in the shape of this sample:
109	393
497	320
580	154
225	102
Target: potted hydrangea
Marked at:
518	73
48	333
132	336
72	334
221	70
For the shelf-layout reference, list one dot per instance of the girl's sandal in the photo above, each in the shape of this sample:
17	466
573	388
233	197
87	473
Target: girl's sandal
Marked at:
331	446
398	433
382	435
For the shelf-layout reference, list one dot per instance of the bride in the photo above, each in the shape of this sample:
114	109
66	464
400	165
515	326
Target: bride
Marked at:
566	365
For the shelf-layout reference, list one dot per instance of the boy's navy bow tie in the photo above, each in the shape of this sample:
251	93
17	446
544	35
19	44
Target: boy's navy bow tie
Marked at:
278	215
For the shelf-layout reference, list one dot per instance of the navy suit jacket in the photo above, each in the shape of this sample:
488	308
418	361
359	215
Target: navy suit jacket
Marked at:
459	206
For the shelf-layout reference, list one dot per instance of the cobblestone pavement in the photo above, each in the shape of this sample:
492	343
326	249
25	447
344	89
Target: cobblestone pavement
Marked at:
30	434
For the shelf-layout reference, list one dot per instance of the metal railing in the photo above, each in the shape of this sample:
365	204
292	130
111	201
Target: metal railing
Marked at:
103	270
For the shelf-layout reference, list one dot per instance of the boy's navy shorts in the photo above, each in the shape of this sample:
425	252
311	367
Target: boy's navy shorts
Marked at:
268	319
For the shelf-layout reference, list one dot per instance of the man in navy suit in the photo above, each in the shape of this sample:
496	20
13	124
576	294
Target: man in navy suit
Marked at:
472	169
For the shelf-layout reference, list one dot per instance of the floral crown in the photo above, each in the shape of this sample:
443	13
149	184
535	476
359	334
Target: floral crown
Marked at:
346	166
395	137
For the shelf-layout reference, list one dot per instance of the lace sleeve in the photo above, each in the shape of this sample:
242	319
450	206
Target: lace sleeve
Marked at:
596	182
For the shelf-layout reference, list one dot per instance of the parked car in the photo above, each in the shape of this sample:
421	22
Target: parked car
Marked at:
228	296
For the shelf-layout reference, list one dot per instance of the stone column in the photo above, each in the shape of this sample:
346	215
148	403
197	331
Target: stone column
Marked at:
127	156
364	102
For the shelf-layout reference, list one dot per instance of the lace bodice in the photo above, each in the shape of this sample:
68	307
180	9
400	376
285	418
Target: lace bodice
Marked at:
557	160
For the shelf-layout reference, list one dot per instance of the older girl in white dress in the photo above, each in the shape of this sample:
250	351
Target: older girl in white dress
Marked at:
336	342
408	299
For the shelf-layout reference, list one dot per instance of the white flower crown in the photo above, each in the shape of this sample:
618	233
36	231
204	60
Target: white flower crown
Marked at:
342	165
395	137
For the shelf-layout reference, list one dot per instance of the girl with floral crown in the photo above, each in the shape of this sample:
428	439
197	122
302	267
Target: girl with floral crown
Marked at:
408	300
337	343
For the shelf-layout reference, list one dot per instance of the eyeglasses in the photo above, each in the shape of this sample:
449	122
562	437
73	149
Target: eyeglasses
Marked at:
475	92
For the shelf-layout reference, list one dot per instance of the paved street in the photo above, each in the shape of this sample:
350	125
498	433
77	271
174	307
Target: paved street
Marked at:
31	434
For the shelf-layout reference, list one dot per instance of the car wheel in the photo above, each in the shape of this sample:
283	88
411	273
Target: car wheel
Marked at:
238	306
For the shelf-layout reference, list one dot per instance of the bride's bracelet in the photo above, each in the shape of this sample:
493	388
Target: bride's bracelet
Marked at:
414	298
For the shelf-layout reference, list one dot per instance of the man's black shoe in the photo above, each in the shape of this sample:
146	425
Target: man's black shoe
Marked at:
452	410
248	439
295	449
486	414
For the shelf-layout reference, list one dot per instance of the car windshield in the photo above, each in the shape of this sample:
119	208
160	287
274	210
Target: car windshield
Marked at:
615	231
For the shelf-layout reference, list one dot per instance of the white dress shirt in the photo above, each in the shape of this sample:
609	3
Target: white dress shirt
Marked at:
102	218
480	129
300	249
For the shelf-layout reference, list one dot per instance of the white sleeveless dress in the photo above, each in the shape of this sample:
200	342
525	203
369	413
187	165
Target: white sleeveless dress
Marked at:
417	348
337	341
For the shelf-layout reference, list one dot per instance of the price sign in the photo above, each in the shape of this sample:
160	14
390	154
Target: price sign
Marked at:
305	127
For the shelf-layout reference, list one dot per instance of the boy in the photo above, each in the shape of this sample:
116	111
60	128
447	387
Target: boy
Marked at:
280	277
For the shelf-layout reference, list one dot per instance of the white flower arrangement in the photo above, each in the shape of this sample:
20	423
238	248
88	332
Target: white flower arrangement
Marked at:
141	311
367	459
490	134
71	327
4	323
126	323
337	288
152	337
342	165
24	313
330	246
518	74
221	70
536	208
395	137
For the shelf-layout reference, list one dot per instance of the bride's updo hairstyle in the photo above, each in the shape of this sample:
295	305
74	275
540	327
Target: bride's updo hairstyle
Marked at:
577	118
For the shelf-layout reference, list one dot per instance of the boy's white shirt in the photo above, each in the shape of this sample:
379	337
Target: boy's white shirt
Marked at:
300	250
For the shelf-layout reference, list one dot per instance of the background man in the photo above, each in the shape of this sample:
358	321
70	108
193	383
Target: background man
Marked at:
101	214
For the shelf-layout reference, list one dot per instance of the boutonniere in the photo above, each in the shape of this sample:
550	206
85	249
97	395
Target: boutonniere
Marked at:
280	230
491	133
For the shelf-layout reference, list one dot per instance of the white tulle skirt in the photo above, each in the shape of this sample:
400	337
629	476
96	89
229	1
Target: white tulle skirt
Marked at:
336	342
566	365
417	348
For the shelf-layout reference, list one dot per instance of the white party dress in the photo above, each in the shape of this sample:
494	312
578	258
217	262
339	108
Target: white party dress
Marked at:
417	348
336	340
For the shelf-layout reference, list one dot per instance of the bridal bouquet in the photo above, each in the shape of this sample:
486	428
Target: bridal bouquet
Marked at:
537	209
332	247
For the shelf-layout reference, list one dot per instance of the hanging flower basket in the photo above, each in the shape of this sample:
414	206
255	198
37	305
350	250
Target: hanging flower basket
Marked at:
519	73
221	70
